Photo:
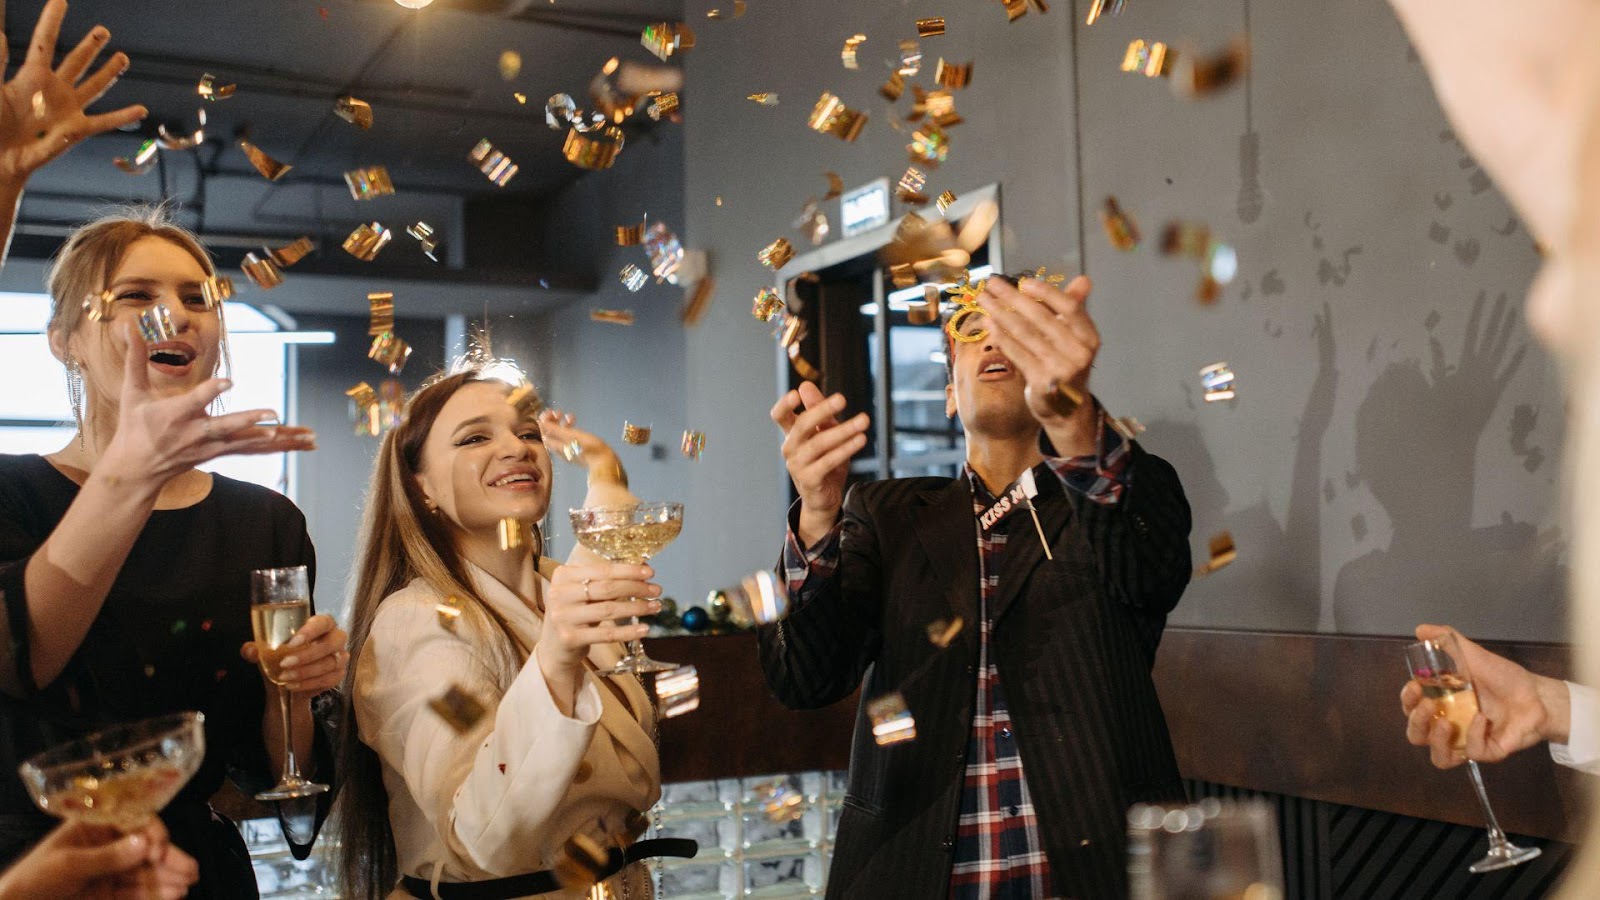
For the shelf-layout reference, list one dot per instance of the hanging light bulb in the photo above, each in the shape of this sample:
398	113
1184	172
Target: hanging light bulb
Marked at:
413	4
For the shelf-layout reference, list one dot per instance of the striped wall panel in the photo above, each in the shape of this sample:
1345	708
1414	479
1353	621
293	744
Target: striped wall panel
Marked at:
1334	852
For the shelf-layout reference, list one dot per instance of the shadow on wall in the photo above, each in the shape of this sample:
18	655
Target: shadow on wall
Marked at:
1416	449
1276	584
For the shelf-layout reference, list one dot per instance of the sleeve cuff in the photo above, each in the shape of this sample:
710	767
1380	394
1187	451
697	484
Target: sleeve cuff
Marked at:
1582	749
1102	476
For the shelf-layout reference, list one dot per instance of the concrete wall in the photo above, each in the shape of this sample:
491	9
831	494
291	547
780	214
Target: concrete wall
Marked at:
1380	466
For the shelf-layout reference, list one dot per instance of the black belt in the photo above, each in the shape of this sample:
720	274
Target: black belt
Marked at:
534	883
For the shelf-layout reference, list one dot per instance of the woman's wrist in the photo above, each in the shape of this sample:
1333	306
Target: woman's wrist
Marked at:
605	467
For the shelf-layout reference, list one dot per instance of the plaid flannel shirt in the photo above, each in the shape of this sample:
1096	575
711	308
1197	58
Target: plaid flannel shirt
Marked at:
999	854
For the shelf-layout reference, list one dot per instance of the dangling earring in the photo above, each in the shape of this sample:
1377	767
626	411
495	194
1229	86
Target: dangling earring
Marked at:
75	394
219	406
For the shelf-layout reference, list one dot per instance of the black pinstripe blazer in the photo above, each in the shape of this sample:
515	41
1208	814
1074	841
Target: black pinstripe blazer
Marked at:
1074	640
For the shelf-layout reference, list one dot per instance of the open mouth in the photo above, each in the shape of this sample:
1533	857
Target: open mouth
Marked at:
995	369
175	355
514	478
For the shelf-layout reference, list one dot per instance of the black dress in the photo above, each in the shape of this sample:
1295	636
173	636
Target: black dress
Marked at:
167	639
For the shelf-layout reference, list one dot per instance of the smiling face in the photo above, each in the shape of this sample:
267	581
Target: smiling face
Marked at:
985	387
483	460
153	272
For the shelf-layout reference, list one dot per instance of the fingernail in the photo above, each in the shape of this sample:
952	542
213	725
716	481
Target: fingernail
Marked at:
655	605
290	662
648	572
136	841
655	591
226	384
296	641
100	33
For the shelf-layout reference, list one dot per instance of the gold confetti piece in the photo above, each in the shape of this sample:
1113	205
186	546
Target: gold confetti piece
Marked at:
450	610
367	241
776	254
926	312
389	350
155	325
678	691
699	301
292	252
1151	59
458	708
663	105
210	90
1217	379
1016	9
665	252
596	149
930	27
269	168
1223	552
142	161
98	306
612	316
215	290
1196	77
611	102
894	87
1120	228
368	182
423	232
768	303
1098	8
953	76
170	141
910	58
891	720
903	274
522	99
510	532
943	631
930	146
938	105
764	99
633	278
831	116
813	222
581	863
637	435
525	399
693	444
381	312
781	803
495	166
666	38
362	395
263	273
510	64
758	599
835	185
738	11
909	189
1127	426
848	54
803	366
945	201
630	235
356	112
1186	239
790	331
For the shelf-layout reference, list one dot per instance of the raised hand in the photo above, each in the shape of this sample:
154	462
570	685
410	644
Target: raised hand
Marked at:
1047	333
160	437
817	449
33	132
94	862
561	432
1470	390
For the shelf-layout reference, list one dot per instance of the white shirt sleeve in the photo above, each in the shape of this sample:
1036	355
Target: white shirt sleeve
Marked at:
1582	749
491	792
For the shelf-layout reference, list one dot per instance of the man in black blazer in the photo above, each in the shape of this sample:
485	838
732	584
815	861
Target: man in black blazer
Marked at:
1061	550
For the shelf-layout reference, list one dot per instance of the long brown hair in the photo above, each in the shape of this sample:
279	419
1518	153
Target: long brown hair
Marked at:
401	541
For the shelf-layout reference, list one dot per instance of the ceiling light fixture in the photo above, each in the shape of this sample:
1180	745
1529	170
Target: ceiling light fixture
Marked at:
413	4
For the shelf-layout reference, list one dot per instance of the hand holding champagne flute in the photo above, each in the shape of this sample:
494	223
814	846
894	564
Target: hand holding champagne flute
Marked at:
280	606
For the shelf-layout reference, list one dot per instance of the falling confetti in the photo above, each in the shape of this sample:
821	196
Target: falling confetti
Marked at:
611	316
210	90
380	316
390	351
637	435
140	162
892	722
369	182
848	54
831	116
930	27
633	278
510	64
269	168
458	708
366	241
1217	379
263	273
776	254
495	166
693	444
678	691
1222	552
356	112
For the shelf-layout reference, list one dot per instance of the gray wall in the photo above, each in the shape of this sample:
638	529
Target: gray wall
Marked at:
1373	474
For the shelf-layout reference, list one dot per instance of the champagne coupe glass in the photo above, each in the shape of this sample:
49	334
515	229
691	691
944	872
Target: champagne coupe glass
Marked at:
120	777
280	602
1213	850
1438	666
629	534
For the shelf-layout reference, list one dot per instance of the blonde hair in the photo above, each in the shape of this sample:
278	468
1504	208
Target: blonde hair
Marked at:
401	541
83	267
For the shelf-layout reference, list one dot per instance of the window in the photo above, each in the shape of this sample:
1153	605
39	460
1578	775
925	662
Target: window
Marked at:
36	417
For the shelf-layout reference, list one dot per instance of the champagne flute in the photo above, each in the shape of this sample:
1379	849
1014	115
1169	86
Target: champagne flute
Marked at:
629	534
1438	666
120	777
280	602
